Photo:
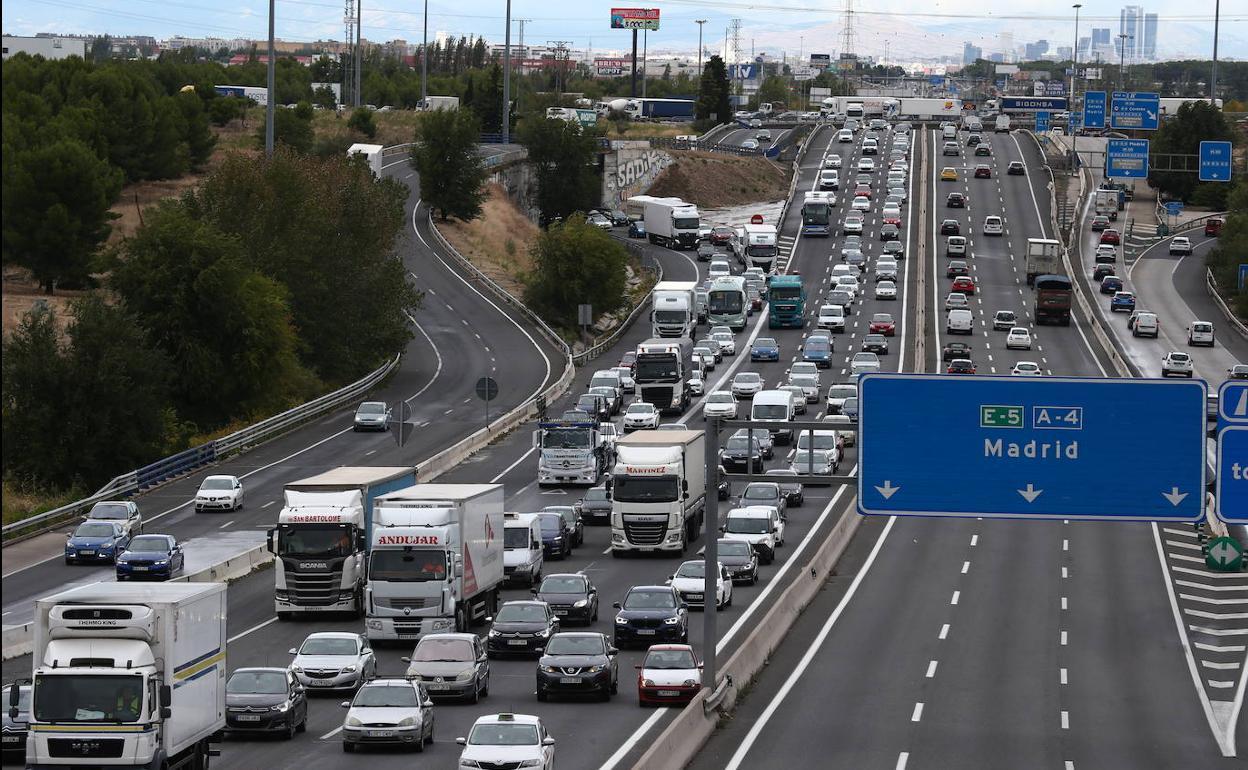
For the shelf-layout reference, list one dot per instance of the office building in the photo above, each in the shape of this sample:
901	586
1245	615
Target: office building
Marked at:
1131	24
971	53
45	46
1035	51
1149	52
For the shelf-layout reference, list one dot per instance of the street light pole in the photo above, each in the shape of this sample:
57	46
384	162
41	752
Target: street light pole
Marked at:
1074	73
424	62
1213	79
272	95
507	78
1122	59
700	22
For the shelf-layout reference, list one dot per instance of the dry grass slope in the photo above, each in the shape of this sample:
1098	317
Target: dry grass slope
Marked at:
711	180
497	242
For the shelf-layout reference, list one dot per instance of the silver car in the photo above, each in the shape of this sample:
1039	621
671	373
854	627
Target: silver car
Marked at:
123	512
818	462
333	660
746	384
388	711
451	666
372	415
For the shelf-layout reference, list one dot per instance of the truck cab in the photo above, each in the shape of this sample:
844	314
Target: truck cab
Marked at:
569	452
786	301
522	548
657	491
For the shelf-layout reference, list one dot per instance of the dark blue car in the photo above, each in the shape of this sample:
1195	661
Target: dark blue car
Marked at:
637	229
1123	300
151	557
1111	284
95	541
818	351
650	615
765	349
556	539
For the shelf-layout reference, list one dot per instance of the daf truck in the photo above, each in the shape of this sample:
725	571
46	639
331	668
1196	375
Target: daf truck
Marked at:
569	452
658	491
661	374
435	561
1043	257
322	535
127	675
674	308
755	246
670	222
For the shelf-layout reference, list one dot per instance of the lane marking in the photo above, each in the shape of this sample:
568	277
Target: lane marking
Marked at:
917	715
931	669
944	631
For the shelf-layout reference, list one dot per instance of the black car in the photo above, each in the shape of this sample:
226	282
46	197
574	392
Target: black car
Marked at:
571	517
1101	270
556	535
520	628
790	486
1016	168
875	343
571	596
950	227
956	200
594	405
740	559
265	700
706	251
955	350
618	217
14	732
651	614
578	663
740	453
595	505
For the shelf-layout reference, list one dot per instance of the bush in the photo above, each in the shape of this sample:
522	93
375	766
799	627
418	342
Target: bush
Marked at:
574	263
362	120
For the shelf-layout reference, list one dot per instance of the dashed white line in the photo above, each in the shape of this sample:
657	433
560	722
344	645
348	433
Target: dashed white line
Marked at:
944	631
956	595
931	669
917	715
266	505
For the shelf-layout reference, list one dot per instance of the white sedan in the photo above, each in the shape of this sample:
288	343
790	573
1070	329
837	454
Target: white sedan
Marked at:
689	582
886	290
832	161
721	403
641	416
219	493
831	317
1018	339
861	203
1027	369
866	164
746	384
727	342
853	224
863	363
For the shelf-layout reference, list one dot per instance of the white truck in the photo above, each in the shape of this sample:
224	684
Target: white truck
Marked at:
658	491
371	153
321	538
1107	202
569	452
523	554
1002	124
755	245
585	118
674	309
670	222
1043	257
661	373
440	103
435	560
128	675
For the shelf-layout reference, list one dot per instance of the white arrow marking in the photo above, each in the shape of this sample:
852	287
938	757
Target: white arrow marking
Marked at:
1242	409
1174	496
887	490
1030	493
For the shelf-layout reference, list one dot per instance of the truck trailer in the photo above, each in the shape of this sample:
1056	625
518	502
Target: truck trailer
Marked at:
670	222
435	560
1043	257
127	675
755	245
658	491
371	153
322	535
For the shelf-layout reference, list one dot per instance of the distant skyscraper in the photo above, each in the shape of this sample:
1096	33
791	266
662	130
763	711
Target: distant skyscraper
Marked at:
1131	24
1063	52
1085	49
1150	37
1100	36
971	53
1036	50
997	57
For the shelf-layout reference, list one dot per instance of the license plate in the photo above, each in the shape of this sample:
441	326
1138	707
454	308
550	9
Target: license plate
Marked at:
669	693
139	569
569	680
561	612
86	553
516	642
381	733
248	717
12	739
409	635
645	632
695	597
437	687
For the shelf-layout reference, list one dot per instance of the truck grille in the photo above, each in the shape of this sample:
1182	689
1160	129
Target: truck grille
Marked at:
659	395
419	603
313	588
94	748
645	533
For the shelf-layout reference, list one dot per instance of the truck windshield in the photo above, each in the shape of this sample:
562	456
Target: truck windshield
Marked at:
407	566
88	698
685	223
566	438
318	542
763	250
770	412
657	369
515	537
670	316
725	302
784	292
645	489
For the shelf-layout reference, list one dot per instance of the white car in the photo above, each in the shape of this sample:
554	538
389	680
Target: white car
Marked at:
805	367
852	224
758	525
727	342
832	161
849	284
1027	369
844	269
844	135
837	393
1176	362
956	301
809	385
955	244
1105	250
372	415
832	317
866	164
719	269
1180	245
886	290
994	225
861	203
1200	333
864	362
870	147
333	660
891	210
900	165
507	740
388	711
746	384
626	378
829	179
720	404
749	144
124	513
688	580
219	493
641	416
697	385
1018	339
900	192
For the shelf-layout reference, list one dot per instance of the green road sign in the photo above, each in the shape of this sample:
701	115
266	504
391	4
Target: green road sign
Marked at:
995	416
1225	555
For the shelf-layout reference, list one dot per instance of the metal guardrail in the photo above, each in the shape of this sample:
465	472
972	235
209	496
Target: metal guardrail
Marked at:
1212	286
1198	222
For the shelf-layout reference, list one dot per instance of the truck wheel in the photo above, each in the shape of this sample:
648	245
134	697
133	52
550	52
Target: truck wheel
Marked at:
284	615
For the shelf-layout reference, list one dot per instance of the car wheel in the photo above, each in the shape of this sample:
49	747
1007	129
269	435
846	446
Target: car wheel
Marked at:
348	747
68	560
289	735
541	695
303	725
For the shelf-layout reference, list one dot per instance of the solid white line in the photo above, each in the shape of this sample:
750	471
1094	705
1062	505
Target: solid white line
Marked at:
1221	685
1221	647
509	468
1217	615
256	627
917	715
633	739
438	370
1204	587
1223	666
1194	598
333	732
931	669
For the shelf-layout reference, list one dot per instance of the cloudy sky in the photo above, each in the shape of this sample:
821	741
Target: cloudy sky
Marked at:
939	27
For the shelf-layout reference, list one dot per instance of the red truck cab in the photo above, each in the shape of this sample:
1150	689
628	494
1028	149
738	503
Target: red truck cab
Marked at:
1213	228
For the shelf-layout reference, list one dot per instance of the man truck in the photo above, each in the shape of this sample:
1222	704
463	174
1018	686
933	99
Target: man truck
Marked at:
674	309
435	560
786	301
661	374
658	491
669	222
569	452
321	537
127	675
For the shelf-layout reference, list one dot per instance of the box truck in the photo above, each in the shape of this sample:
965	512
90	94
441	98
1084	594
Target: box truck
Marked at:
673	311
322	535
440	103
755	246
1043	257
670	222
371	153
435	560
128	675
1108	202
658	491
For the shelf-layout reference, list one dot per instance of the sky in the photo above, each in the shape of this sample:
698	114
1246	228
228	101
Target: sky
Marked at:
791	26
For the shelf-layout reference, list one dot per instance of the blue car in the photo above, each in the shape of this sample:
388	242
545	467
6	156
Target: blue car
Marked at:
765	349
637	229
556	538
1123	300
1111	284
818	351
96	541
151	557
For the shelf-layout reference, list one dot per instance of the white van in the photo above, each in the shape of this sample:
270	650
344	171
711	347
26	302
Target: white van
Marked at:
1146	325
845	135
829	179
959	322
758	525
522	548
949	133
775	405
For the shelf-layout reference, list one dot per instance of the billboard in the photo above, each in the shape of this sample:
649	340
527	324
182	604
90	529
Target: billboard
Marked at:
610	68
820	61
635	18
1007	69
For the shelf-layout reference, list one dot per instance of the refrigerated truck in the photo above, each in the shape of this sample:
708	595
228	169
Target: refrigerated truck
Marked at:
673	309
435	560
669	222
658	491
322	536
1043	257
755	245
128	675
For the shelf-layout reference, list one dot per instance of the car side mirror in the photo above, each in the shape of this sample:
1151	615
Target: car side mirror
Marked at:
293	651
684	606
299	689
615	605
548	741
405	659
489	619
462	741
533	591
346	704
612	651
427	704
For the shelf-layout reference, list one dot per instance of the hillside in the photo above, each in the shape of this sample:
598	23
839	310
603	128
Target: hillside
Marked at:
713	180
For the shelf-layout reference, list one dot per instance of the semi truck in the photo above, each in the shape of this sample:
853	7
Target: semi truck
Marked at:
1043	257
435	560
786	301
371	153
257	94
1053	293
658	491
1108	202
661	373
658	109
127	675
913	108
322	535
440	103
586	118
669	222
569	452
674	309
755	245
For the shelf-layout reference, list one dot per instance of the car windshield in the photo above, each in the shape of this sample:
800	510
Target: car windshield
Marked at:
765	342
150	544
803	457
770	412
552	524
641	409
882	318
329	645
766	492
804	380
692	569
596	494
735	548
740	444
90	529
746	378
748	525
217	483
521	613
563	585
649	600
110	511
386	695
372	408
576	644
498	734
515	537
720	398
434	650
257	683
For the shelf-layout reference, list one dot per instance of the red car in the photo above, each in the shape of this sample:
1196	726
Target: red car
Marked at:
892	221
983	171
964	284
1110	235
961	366
670	673
864	190
721	235
882	323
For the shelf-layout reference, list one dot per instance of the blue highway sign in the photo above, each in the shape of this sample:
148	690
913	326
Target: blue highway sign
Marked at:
1132	109
1243	277
1094	109
1042	121
1231	490
1032	103
1232	403
1173	208
1215	161
1126	158
1048	448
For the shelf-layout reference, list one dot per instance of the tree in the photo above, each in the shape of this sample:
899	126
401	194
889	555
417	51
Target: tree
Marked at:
562	156
56	201
575	263
1181	135
324	97
1228	255
292	128
362	120
445	155
773	89
36	388
223	109
714	105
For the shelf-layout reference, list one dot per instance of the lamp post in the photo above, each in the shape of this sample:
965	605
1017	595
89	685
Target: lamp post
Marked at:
1122	59
507	78
700	22
272	95
424	62
1213	79
1074	73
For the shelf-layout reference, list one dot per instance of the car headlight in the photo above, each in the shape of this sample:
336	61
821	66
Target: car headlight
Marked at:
407	722
493	633
581	603
297	669
691	683
670	621
544	632
594	669
348	669
469	763
280	706
620	620
161	562
647	683
530	763
354	722
549	669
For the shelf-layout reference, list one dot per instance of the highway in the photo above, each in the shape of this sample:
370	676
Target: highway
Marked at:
966	643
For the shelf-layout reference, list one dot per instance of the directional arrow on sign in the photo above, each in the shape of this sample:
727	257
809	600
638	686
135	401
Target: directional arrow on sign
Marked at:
1241	409
1174	495
1030	493
887	490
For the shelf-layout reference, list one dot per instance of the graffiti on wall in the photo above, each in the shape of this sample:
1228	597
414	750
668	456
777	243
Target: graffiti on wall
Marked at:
630	172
